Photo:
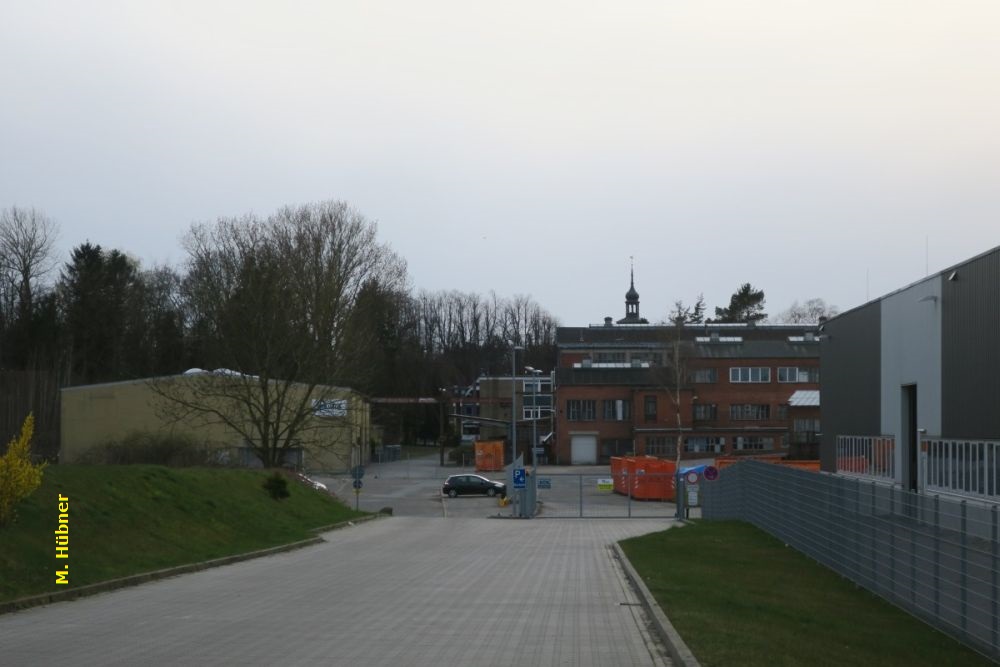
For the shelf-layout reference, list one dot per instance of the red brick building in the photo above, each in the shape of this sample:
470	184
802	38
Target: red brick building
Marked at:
718	388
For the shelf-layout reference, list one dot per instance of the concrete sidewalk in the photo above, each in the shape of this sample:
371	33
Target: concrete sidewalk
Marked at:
398	591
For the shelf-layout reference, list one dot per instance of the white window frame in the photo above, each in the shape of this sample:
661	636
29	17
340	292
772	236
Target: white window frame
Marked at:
750	375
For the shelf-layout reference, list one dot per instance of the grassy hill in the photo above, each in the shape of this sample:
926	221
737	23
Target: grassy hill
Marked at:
126	520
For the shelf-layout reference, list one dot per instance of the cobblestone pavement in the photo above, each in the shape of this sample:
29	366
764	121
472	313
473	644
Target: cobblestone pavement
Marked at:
395	591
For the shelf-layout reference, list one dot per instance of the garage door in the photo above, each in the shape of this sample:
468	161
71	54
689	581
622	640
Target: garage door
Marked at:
583	449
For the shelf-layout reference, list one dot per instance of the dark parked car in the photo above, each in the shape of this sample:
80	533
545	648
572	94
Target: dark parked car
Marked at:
473	484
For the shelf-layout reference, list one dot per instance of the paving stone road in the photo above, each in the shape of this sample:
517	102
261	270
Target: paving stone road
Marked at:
397	591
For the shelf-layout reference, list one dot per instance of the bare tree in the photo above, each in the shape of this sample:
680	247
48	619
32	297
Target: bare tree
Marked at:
673	378
27	239
275	298
809	312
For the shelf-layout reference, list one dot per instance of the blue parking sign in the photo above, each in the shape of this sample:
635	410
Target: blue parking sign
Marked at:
518	478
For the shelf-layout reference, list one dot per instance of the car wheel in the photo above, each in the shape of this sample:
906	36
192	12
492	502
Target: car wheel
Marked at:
452	493
491	492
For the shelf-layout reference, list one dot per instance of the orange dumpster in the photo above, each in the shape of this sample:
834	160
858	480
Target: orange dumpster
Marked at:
489	455
644	477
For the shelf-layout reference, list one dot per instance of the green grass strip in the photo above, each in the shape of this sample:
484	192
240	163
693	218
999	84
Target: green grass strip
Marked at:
740	597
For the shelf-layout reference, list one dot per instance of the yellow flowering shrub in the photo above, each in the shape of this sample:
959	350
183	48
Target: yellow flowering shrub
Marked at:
18	476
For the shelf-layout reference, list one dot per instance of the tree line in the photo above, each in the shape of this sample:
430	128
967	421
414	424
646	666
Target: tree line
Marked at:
306	294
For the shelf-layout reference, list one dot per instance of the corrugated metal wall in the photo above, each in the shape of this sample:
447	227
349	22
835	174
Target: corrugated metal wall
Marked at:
971	349
850	378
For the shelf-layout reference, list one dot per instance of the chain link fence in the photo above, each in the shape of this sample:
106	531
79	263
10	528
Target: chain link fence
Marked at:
937	557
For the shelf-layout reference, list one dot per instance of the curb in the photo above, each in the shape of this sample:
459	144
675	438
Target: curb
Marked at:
137	579
679	651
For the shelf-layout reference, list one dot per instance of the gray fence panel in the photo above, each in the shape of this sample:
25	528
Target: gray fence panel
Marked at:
569	496
935	557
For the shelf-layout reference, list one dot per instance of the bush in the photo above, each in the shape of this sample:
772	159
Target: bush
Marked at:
140	447
18	476
276	486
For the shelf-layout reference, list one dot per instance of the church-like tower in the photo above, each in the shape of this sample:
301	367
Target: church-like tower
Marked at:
632	303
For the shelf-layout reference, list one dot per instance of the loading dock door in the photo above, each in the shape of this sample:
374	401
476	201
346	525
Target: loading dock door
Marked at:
583	449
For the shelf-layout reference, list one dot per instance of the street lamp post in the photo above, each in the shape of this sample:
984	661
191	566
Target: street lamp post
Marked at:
513	401
535	412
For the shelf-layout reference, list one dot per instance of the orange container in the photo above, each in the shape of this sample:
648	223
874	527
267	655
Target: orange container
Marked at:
489	455
777	459
644	477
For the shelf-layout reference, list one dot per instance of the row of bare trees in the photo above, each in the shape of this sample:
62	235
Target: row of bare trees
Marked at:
307	295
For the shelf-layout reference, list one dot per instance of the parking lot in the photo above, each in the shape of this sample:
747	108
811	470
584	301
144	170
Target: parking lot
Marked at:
412	487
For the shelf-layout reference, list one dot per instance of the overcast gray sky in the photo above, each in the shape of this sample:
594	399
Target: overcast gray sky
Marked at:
814	149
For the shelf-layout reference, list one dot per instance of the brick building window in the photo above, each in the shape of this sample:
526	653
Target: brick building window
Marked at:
659	445
649	408
705	444
617	410
753	374
754	442
749	412
705	375
615	447
797	374
579	410
653	358
705	411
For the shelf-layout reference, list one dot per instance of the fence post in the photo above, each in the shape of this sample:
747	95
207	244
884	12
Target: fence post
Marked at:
580	479
857	528
965	567
875	585
937	557
629	501
917	511
996	591
892	543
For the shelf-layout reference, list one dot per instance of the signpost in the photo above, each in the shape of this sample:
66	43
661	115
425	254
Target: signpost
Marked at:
357	472
692	494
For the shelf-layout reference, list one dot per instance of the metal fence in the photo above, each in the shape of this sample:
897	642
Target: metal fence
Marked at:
937	558
871	456
966	467
568	496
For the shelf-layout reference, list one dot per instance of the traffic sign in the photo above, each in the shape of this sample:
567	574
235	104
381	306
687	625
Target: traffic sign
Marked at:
358	484
357	472
711	473
518	478
691	477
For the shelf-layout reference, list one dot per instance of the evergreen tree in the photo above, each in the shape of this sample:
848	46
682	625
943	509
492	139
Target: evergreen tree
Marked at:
746	306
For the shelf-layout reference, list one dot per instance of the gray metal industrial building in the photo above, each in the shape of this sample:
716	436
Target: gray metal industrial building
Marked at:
911	384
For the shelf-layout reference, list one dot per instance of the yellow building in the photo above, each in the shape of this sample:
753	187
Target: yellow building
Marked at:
335	435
